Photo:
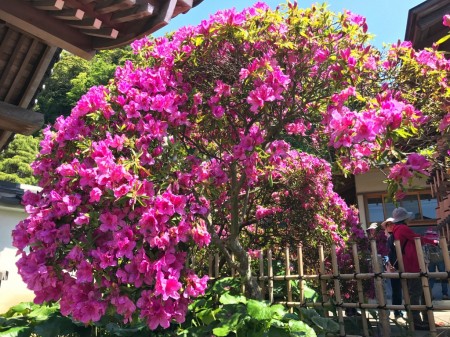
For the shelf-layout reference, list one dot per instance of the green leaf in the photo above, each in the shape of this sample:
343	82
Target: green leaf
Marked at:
301	327
42	313
443	39
21	308
207	316
326	324
227	298
278	310
222	331
16	332
259	310
56	326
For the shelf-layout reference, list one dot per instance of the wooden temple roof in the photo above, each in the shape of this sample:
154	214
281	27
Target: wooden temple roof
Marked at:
424	26
33	32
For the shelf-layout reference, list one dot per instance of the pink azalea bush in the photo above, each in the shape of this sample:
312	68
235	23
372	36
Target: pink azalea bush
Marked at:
209	134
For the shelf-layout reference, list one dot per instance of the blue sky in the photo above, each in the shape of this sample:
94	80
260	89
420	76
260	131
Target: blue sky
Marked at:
385	18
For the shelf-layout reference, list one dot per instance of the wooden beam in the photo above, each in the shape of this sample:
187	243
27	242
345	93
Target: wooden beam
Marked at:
430	19
106	32
51	30
4	79
19	120
68	14
135	13
48	5
24	65
182	7
5	137
87	23
39	72
111	6
151	25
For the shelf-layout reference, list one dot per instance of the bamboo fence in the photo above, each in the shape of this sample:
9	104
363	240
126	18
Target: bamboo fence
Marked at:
331	278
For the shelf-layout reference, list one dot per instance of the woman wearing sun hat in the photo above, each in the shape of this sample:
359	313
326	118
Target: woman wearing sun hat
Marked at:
406	237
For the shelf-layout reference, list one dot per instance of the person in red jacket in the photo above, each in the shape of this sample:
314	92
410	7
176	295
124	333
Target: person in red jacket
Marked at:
406	237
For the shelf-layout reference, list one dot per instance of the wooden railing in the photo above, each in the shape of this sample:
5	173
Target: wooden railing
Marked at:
329	277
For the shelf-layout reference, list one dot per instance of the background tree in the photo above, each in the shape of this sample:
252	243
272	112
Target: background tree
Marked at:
188	144
72	76
15	160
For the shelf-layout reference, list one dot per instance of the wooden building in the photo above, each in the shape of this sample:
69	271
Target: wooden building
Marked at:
33	32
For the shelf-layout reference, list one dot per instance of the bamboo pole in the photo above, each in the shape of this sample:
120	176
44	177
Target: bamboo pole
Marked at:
323	282
337	289
404	284
270	273
261	273
361	276
379	290
425	287
360	290
300	274
445	254
287	272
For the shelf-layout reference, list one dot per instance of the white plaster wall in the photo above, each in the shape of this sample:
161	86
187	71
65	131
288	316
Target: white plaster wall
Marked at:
372	181
13	290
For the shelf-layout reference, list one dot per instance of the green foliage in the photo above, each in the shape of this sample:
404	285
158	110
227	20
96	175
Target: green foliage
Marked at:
26	319
223	311
15	160
72	77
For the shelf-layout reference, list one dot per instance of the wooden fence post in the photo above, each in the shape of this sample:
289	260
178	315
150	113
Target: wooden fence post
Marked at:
323	282
270	274
337	289
287	271
300	274
379	289
261	273
404	284
360	290
425	287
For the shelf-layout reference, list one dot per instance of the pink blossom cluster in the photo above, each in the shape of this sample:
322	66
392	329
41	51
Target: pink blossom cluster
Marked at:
191	139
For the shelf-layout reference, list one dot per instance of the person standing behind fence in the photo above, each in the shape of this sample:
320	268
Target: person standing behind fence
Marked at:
410	260
435	259
392	267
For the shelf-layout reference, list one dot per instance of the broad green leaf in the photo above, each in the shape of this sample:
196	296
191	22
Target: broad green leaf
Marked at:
227	298
17	332
207	316
298	326
221	331
308	313
278	332
259	310
326	324
42	312
278	310
56	326
20	308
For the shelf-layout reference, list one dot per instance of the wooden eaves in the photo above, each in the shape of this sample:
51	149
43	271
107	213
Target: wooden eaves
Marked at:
33	32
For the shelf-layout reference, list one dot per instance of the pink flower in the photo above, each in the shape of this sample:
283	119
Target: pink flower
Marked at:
446	20
167	287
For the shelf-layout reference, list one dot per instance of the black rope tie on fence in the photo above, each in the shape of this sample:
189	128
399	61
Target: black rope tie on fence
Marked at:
320	276
360	305
355	275
423	274
400	275
382	307
300	277
429	308
337	277
448	274
378	274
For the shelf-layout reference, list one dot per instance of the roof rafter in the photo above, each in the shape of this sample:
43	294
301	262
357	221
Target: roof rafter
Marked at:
49	29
